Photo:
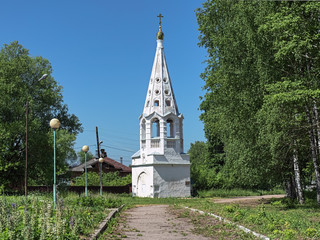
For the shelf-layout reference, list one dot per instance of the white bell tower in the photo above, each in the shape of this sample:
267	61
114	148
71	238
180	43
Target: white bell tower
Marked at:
160	168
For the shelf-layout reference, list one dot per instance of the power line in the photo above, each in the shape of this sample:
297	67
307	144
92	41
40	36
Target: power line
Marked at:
121	142
120	149
92	145
112	147
119	136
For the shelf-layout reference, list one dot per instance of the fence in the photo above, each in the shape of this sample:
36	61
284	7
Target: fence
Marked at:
80	189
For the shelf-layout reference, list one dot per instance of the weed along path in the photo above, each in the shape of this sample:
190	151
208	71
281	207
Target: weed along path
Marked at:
153	222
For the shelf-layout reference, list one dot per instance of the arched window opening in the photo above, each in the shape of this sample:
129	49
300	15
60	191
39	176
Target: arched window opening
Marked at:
156	103
155	128
168	103
170	132
148	104
143	130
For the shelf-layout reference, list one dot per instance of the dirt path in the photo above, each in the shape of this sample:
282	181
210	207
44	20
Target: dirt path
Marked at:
153	222
247	200
161	222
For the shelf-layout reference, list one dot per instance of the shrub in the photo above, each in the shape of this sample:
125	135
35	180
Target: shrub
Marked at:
108	179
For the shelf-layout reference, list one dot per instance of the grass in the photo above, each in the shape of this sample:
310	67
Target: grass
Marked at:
210	227
226	193
277	218
78	216
36	218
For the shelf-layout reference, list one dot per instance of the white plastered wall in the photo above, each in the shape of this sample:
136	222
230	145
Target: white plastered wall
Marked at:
171	181
142	181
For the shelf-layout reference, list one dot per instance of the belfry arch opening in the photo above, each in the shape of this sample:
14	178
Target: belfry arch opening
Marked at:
170	129
155	128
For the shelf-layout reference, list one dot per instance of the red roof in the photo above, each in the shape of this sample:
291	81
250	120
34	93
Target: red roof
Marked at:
90	163
116	164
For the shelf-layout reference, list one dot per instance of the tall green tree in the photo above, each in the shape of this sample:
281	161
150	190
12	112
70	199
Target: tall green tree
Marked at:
19	74
262	86
293	31
228	29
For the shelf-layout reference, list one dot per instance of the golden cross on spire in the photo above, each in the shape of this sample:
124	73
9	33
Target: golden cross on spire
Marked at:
160	16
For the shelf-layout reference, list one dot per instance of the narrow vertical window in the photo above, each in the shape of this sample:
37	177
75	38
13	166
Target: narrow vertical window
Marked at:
170	132
156	103
155	128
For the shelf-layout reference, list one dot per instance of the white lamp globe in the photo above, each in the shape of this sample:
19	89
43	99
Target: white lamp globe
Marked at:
55	123
85	148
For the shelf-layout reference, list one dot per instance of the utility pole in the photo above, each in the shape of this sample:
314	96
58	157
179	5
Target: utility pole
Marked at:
100	164
98	145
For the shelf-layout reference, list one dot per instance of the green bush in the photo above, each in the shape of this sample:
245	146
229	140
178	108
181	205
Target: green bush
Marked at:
108	179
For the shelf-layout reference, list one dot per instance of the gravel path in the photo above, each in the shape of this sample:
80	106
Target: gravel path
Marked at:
154	222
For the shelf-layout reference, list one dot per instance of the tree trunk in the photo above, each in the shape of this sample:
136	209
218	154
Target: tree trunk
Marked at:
314	152
297	177
317	124
290	189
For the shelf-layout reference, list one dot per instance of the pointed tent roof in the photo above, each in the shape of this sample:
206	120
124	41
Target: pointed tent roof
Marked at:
160	97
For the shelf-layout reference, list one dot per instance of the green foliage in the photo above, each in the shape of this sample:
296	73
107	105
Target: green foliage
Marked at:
108	179
81	155
19	74
35	217
262	74
205	166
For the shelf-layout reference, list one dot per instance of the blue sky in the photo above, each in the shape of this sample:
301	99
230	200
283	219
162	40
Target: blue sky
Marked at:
102	54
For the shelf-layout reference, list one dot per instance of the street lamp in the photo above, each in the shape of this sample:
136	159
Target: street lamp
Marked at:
54	124
85	149
44	76
101	161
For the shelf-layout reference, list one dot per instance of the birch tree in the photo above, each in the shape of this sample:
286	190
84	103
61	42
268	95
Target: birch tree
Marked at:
262	89
294	32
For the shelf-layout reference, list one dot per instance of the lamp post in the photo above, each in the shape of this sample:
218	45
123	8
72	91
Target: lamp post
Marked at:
85	149
101	161
54	124
44	76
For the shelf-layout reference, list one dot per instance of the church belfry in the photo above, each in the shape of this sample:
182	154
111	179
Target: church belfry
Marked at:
160	168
